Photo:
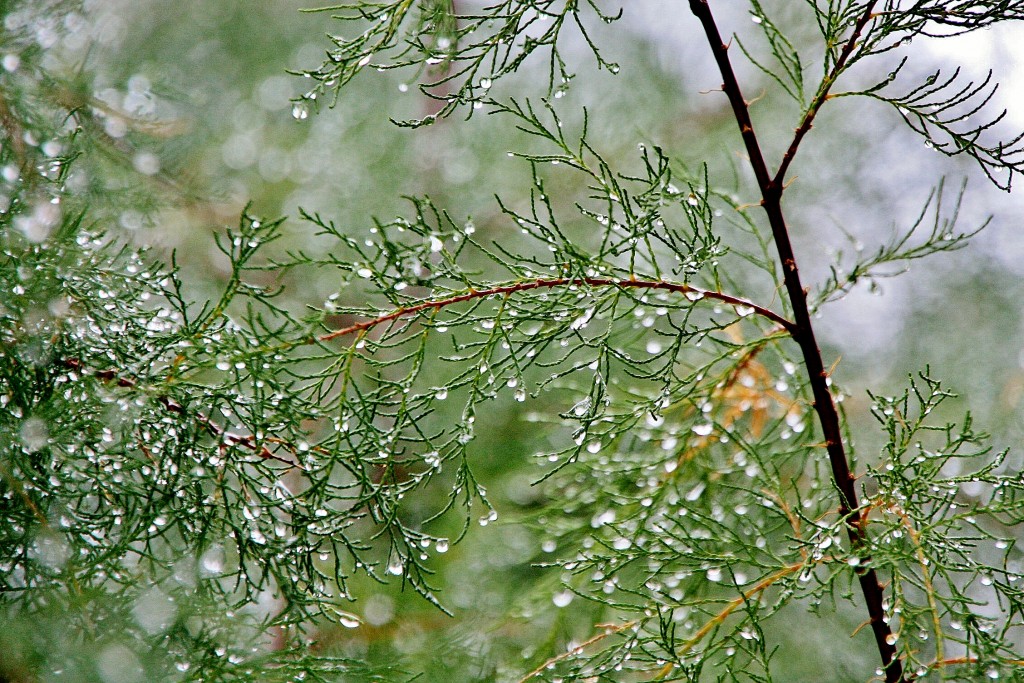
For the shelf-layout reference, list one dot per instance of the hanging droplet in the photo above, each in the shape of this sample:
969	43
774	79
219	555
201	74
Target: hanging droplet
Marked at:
703	429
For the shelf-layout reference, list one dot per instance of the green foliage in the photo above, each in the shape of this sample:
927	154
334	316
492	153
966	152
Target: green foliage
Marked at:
218	490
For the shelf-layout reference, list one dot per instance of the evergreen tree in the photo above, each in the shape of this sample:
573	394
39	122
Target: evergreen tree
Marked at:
234	486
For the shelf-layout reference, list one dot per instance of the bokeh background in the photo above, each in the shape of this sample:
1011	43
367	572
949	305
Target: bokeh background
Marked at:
212	79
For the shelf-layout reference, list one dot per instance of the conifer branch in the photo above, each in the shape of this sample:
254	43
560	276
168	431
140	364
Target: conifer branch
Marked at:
823	93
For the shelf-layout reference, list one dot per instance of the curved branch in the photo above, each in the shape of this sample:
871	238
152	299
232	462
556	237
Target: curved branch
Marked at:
551	283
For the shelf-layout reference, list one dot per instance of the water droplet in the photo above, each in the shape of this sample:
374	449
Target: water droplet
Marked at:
300	111
441	394
581	322
703	429
488	518
743	311
581	408
154	611
606	517
35	435
694	295
146	163
442	545
562	599
695	492
364	273
347	620
212	561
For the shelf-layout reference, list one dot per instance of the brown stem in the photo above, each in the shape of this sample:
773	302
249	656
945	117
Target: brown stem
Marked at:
212	428
12	127
771	199
551	283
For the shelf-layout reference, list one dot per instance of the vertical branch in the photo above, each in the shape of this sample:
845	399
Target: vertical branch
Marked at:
771	200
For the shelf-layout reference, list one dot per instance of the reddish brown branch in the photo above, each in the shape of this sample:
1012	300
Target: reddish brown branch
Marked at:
211	427
771	200
559	282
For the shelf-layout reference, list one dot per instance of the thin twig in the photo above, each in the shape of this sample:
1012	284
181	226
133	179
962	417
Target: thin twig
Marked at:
803	334
172	406
823	93
926	577
609	629
957	661
731	607
551	283
12	127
